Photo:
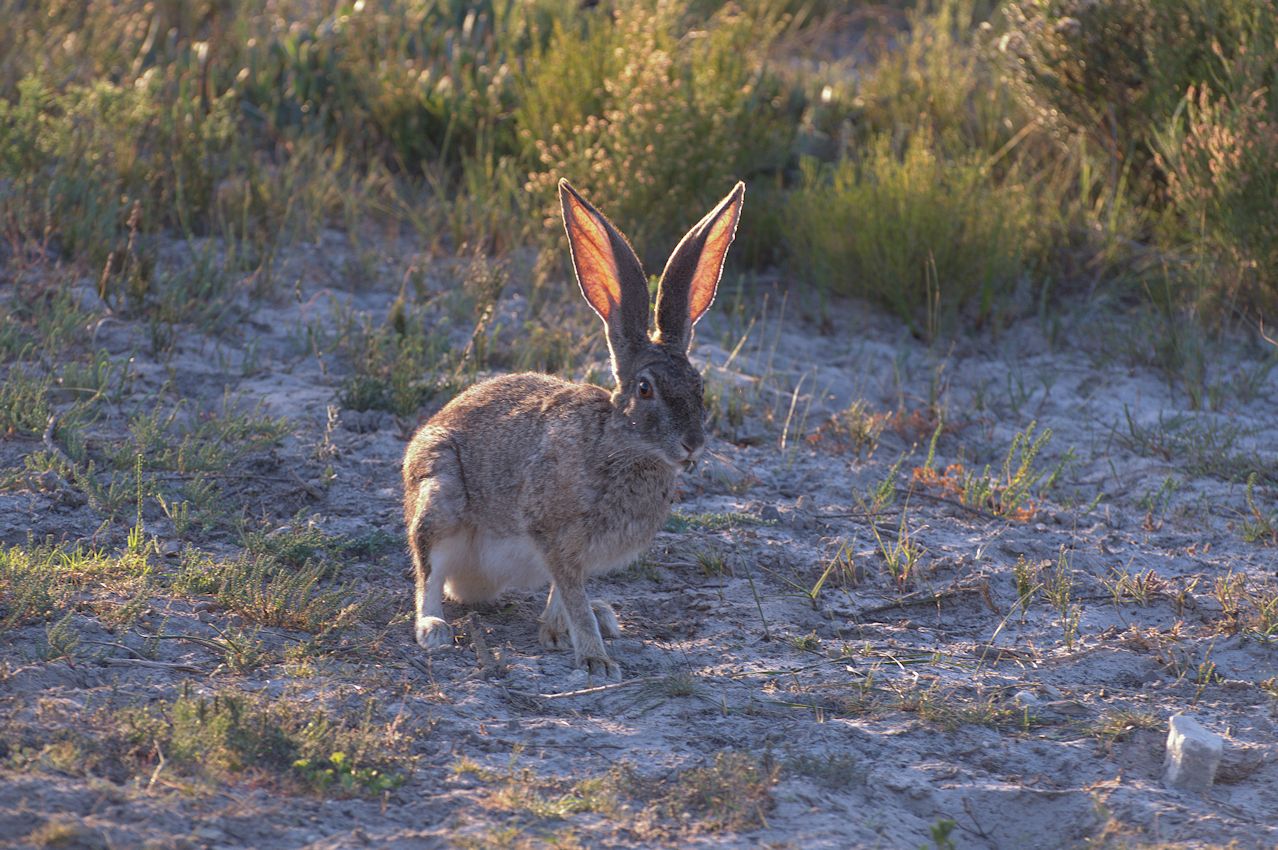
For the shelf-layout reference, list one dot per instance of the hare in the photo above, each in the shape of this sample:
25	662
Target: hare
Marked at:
527	479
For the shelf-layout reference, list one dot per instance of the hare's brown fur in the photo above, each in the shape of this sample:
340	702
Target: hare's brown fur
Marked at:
527	478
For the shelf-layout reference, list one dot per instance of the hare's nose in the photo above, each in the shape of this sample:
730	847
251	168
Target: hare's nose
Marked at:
692	446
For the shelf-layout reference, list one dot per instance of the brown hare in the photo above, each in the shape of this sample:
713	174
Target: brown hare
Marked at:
527	479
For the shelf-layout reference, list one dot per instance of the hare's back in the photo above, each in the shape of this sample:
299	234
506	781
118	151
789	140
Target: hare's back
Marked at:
510	436
524	406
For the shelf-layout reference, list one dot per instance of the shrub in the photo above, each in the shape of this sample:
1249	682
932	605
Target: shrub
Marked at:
93	164
911	231
411	81
937	76
1221	160
1116	71
1179	96
655	132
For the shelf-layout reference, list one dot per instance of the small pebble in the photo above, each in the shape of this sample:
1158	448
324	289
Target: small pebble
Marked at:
1193	755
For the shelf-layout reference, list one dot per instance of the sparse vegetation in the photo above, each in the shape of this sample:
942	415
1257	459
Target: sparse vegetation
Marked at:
246	248
271	592
1014	493
229	734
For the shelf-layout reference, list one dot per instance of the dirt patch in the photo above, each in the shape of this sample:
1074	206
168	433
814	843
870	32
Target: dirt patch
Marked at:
822	649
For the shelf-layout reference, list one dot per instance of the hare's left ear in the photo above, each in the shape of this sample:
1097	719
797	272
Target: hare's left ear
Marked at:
692	273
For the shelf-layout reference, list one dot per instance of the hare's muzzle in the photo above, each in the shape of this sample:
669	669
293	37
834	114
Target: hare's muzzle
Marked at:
692	446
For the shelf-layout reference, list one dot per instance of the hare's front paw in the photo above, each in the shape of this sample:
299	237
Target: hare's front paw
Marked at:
600	665
607	619
433	632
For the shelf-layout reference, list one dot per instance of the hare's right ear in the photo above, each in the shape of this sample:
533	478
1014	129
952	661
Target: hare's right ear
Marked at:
610	277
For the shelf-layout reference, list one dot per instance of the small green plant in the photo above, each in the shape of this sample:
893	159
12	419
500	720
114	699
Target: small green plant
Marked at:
1139	588
941	831
854	428
883	494
1247	604
37	580
734	792
268	592
1014	494
901	555
680	522
1058	585
951	708
61	638
242	650
520	789
1116	724
841	568
1204	676
230	733
1263	525
1058	588
806	643
398	366
1026	576
712	563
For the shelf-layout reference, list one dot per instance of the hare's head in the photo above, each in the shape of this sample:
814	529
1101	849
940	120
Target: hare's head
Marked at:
658	394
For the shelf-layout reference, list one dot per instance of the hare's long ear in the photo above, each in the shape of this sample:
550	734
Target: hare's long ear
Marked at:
692	273
610	277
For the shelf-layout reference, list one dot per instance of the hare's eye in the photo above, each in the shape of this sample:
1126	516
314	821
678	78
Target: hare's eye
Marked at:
645	388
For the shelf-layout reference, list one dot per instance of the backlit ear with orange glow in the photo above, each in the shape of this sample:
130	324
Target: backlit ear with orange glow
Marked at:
610	277
692	273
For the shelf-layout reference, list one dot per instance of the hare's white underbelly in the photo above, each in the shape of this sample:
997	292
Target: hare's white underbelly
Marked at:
477	567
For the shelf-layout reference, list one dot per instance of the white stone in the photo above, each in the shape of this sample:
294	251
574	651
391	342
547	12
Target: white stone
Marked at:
1025	699
1193	755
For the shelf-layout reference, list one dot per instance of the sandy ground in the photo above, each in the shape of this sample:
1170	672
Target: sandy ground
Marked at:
881	707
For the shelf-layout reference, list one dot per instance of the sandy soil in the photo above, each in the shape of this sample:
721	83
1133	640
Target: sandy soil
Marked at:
882	707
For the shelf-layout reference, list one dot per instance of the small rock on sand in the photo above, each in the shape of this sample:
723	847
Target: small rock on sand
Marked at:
1193	755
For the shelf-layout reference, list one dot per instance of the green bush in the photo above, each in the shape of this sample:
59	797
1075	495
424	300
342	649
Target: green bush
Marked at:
415	82
937	76
93	163
1179	96
1221	160
1116	70
915	232
653	119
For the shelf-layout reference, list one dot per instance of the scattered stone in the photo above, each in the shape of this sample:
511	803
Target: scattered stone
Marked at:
364	421
1193	755
1238	764
1025	699
769	513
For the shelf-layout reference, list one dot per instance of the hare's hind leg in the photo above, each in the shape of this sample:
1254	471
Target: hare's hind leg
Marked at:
427	539
606	617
